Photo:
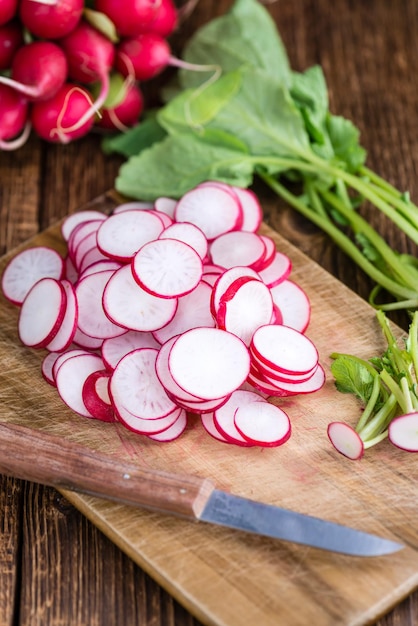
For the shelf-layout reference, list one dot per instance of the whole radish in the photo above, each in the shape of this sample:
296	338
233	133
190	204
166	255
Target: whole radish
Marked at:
165	20
8	10
39	69
90	58
11	39
129	16
58	120
50	20
126	113
144	56
14	125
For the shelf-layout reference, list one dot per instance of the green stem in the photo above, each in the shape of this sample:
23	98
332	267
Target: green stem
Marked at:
381	420
372	442
370	404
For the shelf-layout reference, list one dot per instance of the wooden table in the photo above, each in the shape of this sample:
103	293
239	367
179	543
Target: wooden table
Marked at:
55	566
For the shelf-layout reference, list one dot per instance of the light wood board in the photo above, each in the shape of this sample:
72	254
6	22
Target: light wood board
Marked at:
229	578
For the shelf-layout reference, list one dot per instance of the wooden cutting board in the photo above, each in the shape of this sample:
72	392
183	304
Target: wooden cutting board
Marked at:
229	578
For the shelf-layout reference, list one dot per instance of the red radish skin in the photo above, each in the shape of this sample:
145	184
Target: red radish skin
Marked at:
66	332
263	424
124	233
58	120
143	57
129	16
294	304
73	220
174	431
47	367
165	21
71	376
15	126
284	348
11	39
50	20
95	395
125	114
8	10
345	440
39	70
42	313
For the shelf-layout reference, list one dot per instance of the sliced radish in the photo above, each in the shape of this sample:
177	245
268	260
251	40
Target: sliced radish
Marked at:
293	303
263	424
71	221
238	248
42	313
100	266
193	311
47	367
95	394
270	253
251	209
71	272
165	219
284	348
167	268
315	382
213	209
122	234
68	327
209	362
346	440
224	416
134	386
225	279
85	341
114	348
164	375
174	431
87	244
92	320
275	272
258	381
127	304
244	309
403	432
201	406
64	356
26	268
208	423
166	205
71	376
188	233
91	257
133	206
80	233
146	426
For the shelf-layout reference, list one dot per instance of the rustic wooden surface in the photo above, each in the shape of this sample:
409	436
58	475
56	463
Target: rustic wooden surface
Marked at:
55	566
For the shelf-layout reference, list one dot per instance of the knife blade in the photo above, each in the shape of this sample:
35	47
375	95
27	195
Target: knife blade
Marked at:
38	456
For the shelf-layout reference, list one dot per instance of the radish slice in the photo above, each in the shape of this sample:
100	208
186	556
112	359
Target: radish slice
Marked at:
238	248
42	313
146	426
224	416
209	362
208	424
122	234
127	304
92	320
71	221
213	209
27	268
165	377
165	219
100	266
277	270
166	205
70	272
243	310
262	423
270	252
252	213
95	394
71	376
47	367
87	244
133	206
259	382
346	440
225	280
202	406
403	432
188	233
91	257
293	303
284	348
66	332
167	268
63	357
135	387
114	348
174	431
193	311
315	382
86	342
79	235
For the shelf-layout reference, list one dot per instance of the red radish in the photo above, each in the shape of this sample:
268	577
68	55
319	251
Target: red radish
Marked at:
238	248
213	209
126	113
262	423
166	205
224	416
27	268
208	424
41	313
132	206
8	10
91	257
66	332
64	117
123	234
166	219
313	383
129	16
50	20
165	21
294	304
135	387
200	407
128	305
92	320
403	432
71	376
39	70
209	362
189	233
284	348
143	57
277	270
174	431
90	58
167	268
270	251
346	440
225	280
147	426
73	220
114	348
14	119
86	342
251	209
47	367
11	39
95	395
62	357
79	233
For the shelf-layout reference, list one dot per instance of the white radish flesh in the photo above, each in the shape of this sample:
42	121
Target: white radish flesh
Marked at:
146	426
164	375
263	423
403	432
71	376
275	272
208	423
123	234
284	348
47	367
71	221
26	268
188	233
346	440
293	303
68	327
252	213
92	320
174	431
114	348
225	279
42	313
238	248
224	417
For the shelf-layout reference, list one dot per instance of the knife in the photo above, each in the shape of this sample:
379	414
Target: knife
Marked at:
37	456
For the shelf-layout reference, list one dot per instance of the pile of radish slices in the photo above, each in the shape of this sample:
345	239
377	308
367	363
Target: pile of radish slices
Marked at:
166	312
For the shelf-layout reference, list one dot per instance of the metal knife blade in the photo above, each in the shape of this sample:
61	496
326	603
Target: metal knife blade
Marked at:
40	457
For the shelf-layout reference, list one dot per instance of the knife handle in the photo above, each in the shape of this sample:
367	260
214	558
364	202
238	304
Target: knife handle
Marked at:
43	458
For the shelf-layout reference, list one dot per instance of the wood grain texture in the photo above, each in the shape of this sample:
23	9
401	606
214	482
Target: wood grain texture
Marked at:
369	54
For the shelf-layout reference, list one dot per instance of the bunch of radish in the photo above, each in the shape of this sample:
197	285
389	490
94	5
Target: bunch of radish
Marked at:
65	66
169	312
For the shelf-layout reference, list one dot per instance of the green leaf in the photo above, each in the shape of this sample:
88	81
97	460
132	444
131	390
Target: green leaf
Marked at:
117	90
344	137
133	141
310	93
352	375
178	163
247	35
102	23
